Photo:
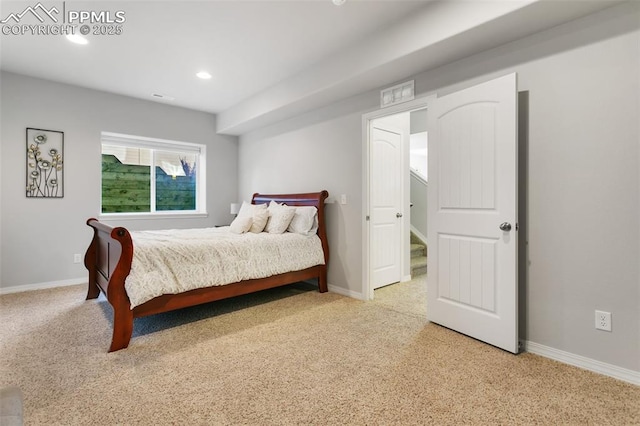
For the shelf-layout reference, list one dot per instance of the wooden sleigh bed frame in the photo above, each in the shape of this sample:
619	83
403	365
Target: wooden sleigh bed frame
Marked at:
110	254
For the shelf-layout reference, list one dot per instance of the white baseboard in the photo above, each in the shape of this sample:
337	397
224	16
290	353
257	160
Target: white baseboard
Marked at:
345	292
405	279
338	290
624	374
610	370
42	286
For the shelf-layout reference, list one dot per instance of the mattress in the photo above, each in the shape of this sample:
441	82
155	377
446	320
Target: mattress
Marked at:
178	260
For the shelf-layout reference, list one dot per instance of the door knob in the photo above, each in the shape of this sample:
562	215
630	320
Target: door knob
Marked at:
398	214
505	226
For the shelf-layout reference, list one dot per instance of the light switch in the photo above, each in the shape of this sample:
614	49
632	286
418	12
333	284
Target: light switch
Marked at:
343	199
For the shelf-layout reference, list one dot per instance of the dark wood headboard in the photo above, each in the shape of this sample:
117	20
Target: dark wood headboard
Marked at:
309	199
315	199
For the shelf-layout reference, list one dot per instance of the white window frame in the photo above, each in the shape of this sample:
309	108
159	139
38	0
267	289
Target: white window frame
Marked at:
129	141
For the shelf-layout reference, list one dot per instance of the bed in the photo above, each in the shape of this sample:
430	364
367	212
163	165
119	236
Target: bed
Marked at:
111	252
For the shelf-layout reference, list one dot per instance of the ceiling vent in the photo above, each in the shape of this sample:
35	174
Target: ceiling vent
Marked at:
397	94
163	97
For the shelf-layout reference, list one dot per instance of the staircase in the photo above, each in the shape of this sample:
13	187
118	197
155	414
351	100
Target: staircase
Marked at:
418	256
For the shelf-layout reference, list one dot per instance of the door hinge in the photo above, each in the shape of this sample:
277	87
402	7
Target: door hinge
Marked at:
367	217
517	227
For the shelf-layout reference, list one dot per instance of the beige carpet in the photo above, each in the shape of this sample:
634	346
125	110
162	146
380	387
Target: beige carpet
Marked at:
285	356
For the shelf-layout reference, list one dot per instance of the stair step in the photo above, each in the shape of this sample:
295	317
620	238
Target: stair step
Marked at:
415	239
418	250
418	266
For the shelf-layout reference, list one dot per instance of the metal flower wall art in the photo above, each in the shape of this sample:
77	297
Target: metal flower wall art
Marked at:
45	175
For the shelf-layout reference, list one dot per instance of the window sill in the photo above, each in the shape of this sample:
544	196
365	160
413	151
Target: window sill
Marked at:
148	216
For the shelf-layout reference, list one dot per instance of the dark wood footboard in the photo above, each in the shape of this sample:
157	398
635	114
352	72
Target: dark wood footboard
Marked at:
108	260
109	256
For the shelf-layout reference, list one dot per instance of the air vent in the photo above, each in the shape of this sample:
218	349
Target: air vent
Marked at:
397	94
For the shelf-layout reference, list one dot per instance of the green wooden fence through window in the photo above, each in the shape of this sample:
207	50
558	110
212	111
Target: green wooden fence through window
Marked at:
127	188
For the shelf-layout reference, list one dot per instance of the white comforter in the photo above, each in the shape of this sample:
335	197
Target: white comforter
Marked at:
178	260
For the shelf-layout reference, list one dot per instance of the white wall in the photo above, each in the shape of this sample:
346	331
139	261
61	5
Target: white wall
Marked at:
582	184
40	236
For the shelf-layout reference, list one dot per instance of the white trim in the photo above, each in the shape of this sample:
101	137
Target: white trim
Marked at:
367	289
406	278
418	103
416	174
419	234
345	292
201	191
120	139
154	145
593	365
624	374
42	286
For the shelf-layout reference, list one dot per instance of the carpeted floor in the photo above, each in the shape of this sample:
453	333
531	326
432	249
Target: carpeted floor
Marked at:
285	356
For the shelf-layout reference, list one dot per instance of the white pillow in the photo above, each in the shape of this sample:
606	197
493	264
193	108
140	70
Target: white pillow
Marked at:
246	209
260	219
241	224
305	221
258	213
280	217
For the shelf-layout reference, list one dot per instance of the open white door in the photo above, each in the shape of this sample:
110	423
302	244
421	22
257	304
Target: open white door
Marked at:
386	205
472	212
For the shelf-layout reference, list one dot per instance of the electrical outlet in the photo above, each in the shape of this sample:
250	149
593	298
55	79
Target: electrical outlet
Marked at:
603	320
77	258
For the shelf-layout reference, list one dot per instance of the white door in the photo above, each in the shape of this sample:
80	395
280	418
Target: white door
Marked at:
472	212
385	205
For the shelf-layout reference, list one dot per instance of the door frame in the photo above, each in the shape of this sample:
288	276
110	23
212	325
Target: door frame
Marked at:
418	103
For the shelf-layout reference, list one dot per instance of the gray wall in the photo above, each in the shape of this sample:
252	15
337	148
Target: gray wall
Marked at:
581	189
419	208
40	236
313	158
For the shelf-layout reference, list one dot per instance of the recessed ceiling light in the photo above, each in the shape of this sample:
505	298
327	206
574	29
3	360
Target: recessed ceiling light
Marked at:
339	2
204	75
77	39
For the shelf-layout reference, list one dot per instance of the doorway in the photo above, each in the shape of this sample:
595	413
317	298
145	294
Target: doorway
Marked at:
387	144
472	210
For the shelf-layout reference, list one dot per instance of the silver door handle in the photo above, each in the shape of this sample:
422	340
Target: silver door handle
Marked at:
505	226
398	214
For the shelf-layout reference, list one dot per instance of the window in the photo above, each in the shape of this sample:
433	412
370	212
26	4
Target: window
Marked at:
152	176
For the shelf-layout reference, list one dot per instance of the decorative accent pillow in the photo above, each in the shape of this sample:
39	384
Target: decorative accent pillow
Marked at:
260	219
246	209
241	224
305	221
280	216
259	214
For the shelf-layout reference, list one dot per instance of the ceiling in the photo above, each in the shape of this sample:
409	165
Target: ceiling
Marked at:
247	46
270	59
